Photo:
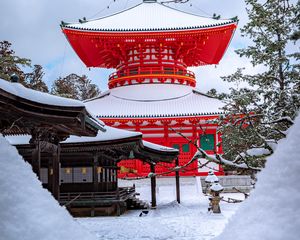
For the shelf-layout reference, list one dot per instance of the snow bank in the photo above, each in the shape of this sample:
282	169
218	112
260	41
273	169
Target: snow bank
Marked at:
272	212
27	211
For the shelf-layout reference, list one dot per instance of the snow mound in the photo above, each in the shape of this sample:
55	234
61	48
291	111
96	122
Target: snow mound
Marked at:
27	211
272	211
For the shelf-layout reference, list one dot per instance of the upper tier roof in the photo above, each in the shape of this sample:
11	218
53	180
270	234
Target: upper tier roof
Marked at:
153	100
149	17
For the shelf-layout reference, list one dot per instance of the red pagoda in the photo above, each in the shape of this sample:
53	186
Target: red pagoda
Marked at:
152	91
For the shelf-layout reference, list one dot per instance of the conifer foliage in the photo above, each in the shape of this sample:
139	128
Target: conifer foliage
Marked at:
75	87
258	116
10	63
34	80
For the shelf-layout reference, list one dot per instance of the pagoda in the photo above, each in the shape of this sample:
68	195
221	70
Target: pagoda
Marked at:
152	91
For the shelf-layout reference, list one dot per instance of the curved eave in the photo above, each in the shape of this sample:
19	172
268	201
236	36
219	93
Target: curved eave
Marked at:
96	48
159	115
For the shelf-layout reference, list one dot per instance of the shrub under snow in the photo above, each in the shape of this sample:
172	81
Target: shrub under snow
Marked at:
272	212
27	211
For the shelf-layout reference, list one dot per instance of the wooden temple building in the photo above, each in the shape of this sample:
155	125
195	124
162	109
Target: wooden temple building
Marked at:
152	91
81	170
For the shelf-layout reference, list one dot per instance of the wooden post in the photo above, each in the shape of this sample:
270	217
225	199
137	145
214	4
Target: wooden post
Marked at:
153	187
177	181
36	159
56	173
95	172
50	174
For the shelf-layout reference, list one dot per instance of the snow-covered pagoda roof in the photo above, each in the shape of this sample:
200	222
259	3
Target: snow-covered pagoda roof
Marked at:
153	100
149	16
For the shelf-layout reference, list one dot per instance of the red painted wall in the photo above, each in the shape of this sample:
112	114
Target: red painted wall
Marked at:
163	135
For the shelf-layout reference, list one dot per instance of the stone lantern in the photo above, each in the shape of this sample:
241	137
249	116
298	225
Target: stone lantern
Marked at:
210	179
215	198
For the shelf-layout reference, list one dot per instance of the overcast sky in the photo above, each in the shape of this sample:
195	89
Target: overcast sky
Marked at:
32	26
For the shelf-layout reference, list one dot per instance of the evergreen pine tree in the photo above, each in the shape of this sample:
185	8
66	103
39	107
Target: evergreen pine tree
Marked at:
75	87
256	117
34	80
10	63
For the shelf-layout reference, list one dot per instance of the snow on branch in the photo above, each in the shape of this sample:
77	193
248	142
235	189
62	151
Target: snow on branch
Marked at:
216	158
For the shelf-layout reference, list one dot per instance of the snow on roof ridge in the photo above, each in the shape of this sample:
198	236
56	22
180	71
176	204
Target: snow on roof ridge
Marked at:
101	95
190	20
157	100
158	147
18	90
197	91
109	135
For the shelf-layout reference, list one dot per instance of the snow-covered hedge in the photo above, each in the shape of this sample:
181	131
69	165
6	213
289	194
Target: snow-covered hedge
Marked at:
272	212
27	211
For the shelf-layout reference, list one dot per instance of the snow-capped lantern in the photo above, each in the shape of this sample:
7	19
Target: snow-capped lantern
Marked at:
215	198
211	177
216	188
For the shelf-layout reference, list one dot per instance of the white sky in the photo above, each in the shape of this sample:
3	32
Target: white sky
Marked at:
32	26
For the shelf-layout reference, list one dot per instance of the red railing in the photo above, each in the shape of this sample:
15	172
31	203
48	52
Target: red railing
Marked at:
150	71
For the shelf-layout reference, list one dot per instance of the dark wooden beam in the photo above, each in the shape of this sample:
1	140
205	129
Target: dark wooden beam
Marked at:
36	159
56	173
177	182
95	172
153	187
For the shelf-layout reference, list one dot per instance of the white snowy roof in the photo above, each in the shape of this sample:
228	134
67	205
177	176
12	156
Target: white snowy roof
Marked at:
216	187
109	135
153	100
158	147
19	90
211	178
149	17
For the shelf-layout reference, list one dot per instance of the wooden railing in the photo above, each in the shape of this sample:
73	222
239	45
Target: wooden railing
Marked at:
76	197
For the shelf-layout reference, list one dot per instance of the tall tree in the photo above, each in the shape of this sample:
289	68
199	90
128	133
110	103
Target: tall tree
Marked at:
10	63
76	87
34	80
258	116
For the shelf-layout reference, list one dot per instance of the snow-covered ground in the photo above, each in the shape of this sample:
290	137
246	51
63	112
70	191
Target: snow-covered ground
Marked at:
186	221
27	211
272	211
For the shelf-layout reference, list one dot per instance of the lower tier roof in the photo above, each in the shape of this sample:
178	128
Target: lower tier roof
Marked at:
153	100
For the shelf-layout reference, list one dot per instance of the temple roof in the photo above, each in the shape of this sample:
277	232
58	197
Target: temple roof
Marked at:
20	91
148	17
24	110
153	100
110	134
112	139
